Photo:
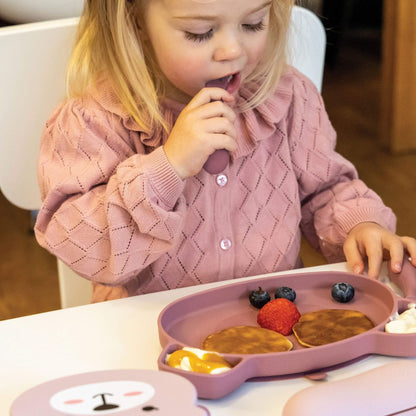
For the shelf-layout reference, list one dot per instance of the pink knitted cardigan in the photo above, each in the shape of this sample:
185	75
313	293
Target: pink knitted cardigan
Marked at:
115	211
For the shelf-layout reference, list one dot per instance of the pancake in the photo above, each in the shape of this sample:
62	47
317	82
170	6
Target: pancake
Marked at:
330	325
246	340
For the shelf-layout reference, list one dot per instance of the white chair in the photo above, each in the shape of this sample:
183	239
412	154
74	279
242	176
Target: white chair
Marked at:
33	60
26	11
307	45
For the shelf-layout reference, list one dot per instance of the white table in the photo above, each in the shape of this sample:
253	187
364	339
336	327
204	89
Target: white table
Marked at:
124	334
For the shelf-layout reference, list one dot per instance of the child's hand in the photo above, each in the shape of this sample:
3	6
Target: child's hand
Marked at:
370	240
204	125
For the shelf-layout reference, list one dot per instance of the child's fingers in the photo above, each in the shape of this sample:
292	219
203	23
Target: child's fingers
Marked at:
353	256
218	125
207	112
409	244
206	95
396	250
224	141
219	109
215	109
220	134
371	241
217	94
375	258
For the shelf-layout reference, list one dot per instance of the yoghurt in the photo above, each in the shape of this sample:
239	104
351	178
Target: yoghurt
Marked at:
405	323
199	361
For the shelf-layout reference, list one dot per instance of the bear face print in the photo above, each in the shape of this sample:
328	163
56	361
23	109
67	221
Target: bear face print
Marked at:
102	398
113	393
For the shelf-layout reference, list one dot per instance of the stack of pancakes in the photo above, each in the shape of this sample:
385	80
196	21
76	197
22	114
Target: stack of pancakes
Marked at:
313	329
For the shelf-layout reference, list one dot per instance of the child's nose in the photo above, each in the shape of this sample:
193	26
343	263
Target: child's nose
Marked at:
229	48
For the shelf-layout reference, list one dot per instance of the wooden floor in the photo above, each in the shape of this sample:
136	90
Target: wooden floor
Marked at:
28	277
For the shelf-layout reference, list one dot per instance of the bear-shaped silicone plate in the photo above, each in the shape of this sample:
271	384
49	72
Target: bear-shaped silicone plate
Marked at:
188	321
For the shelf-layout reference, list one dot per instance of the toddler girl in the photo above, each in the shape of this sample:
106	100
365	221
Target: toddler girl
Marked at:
127	201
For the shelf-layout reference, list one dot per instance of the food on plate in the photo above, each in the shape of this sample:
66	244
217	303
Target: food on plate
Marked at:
285	292
278	315
258	298
404	323
199	361
342	292
246	340
330	325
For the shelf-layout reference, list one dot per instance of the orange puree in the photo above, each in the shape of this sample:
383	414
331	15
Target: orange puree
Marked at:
209	362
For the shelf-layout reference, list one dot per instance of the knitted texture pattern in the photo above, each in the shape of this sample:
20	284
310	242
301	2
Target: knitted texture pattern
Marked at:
116	212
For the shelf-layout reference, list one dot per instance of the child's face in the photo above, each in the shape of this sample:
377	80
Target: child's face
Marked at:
196	41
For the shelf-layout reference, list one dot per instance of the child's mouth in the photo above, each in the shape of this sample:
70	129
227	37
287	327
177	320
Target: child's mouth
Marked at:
220	82
227	83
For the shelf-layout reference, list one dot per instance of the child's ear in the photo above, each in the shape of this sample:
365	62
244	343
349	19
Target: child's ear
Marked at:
137	19
137	14
142	30
144	37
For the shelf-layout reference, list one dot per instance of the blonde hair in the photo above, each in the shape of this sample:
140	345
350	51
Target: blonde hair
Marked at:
108	42
268	72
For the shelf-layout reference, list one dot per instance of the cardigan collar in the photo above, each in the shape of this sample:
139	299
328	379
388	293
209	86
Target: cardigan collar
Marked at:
254	125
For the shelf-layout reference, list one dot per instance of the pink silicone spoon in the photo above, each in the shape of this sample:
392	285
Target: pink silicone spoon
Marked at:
218	160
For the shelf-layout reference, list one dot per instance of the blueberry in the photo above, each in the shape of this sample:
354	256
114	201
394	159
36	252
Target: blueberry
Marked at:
342	292
285	292
258	298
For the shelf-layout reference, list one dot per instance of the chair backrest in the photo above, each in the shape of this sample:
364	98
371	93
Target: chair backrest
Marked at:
33	59
27	11
307	45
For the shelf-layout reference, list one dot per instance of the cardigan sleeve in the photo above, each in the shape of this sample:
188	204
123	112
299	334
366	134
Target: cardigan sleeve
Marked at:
110	207
333	198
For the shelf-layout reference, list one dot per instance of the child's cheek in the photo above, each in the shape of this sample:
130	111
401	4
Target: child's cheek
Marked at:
257	53
189	77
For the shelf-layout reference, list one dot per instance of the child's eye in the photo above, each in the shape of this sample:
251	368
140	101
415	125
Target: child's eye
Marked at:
199	37
256	27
